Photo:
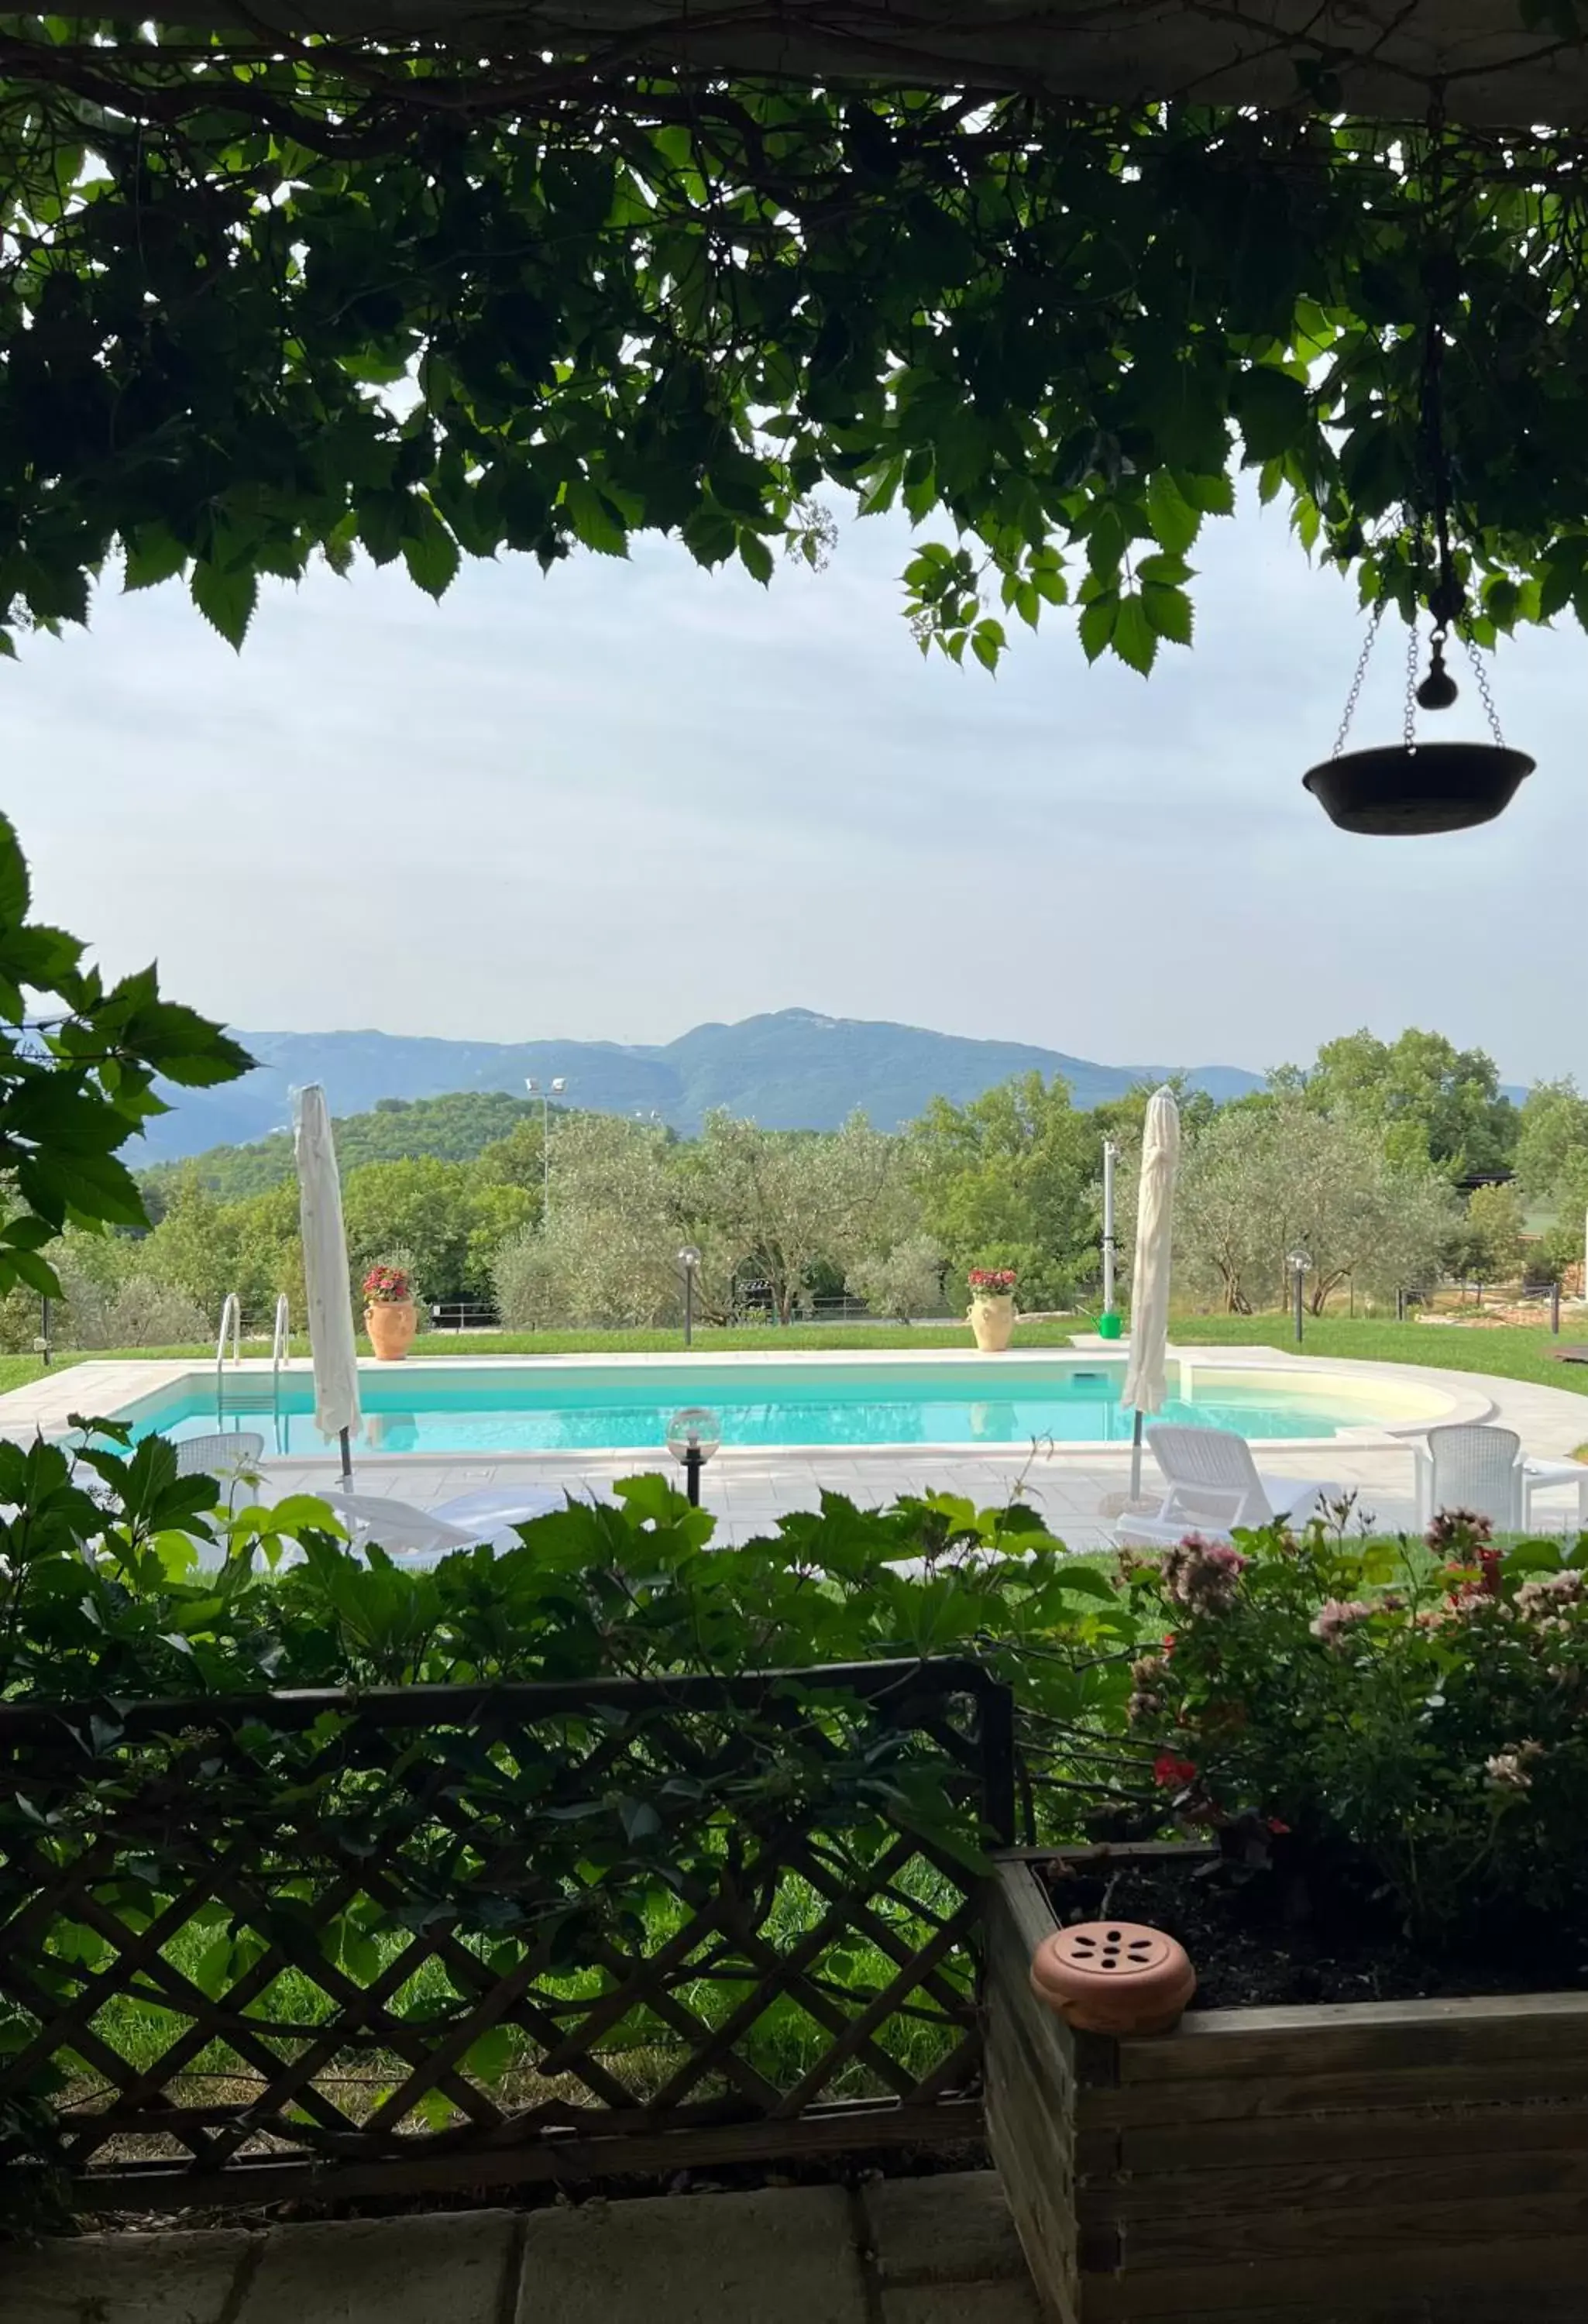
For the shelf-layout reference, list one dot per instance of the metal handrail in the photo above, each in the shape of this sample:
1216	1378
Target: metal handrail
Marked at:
280	1349
231	1313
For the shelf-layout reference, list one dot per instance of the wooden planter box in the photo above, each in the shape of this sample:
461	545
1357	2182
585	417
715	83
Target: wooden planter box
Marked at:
1380	2163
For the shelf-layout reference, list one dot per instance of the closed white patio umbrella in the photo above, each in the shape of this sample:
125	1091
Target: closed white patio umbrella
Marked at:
325	1270
1145	1385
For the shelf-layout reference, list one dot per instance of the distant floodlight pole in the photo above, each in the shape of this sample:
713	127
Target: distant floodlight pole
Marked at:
1111	1155
690	1259
538	1089
1298	1262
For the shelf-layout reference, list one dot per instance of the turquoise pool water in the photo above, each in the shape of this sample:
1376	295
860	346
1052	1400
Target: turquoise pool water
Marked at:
446	1408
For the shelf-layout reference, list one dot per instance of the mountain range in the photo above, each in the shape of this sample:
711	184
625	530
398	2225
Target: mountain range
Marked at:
790	1070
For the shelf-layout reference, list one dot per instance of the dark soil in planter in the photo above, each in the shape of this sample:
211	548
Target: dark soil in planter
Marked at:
1266	1938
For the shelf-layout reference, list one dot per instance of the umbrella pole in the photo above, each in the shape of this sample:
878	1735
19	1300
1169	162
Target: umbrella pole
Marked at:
1135	1460
347	1456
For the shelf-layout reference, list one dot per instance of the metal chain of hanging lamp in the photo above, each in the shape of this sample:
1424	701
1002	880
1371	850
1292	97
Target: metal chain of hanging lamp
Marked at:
1420	787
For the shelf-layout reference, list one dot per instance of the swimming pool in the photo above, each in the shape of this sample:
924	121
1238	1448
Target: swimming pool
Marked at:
550	1406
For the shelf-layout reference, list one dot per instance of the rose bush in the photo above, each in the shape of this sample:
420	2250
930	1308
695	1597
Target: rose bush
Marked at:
1403	1723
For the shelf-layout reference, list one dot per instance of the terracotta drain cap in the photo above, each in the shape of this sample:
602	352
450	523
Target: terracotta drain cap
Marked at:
1113	1977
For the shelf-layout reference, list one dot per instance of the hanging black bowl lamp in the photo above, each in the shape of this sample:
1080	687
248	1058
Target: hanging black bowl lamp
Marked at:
1410	789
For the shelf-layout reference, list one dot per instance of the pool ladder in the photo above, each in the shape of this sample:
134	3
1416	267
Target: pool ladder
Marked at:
231	1320
280	1350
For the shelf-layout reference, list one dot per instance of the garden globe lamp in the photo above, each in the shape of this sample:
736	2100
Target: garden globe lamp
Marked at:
1298	1263
693	1435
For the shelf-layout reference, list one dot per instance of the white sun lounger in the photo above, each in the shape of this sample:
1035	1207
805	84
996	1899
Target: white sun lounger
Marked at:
422	1536
1214	1486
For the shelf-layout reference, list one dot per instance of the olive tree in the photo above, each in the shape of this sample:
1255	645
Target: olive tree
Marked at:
607	1253
784	1202
904	1282
1264	1181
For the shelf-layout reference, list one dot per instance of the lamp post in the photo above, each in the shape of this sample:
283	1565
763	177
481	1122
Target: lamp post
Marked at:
1298	1262
693	1435
42	1347
546	1092
1111	1155
690	1259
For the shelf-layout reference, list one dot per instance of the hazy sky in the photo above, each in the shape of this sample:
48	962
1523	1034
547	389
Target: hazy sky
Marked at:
630	797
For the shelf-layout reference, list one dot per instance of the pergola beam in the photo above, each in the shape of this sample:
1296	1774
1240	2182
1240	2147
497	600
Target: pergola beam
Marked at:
1387	59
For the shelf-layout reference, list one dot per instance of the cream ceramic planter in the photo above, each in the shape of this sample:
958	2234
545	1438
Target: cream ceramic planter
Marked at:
993	1322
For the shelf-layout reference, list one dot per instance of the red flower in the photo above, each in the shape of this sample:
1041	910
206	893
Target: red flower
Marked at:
1173	1773
1169	1641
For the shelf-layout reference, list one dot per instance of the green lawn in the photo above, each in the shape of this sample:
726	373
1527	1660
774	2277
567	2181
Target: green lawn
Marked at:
1513	1352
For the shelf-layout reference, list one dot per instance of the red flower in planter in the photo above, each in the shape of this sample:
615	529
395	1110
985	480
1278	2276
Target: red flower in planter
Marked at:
1173	1773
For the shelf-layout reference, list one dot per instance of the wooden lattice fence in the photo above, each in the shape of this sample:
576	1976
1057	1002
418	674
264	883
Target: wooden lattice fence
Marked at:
440	1937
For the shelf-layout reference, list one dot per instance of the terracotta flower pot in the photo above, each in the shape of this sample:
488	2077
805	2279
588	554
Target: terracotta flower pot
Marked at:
391	1324
1113	1977
993	1321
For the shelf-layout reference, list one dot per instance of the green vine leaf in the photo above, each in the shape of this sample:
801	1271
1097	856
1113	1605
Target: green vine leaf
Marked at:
1272	412
1134	640
154	554
1099	617
1175	522
226	599
615	320
430	554
1168	613
755	555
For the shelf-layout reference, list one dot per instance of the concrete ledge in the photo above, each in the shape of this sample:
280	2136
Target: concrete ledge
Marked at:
930	2251
124	2279
453	2267
955	2229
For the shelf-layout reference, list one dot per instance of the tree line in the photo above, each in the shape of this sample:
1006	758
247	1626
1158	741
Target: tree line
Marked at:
1388	1162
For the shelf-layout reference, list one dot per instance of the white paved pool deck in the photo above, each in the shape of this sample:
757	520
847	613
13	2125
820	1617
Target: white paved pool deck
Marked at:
748	1487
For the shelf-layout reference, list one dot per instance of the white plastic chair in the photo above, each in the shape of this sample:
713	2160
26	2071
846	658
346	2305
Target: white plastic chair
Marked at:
1481	1468
1214	1486
219	1456
1484	1470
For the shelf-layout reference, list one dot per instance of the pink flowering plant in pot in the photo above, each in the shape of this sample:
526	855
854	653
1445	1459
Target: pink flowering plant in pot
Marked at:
390	1316
992	1282
991	1315
1389	1731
